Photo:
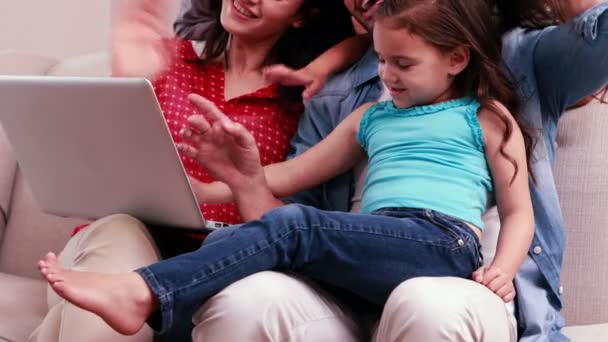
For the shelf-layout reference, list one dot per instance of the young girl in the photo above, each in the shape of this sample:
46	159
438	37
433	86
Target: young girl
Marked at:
448	137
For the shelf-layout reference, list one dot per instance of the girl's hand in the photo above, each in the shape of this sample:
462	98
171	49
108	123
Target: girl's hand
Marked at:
497	281
141	44
312	80
225	148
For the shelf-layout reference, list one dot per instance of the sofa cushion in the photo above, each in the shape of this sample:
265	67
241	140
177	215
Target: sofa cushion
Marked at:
90	65
587	333
580	173
8	166
17	63
30	233
22	306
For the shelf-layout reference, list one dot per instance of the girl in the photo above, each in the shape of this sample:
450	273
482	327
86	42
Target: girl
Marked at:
445	140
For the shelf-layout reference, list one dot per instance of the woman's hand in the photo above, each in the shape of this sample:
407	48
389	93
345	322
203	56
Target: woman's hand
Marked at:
225	148
497	281
312	80
141	44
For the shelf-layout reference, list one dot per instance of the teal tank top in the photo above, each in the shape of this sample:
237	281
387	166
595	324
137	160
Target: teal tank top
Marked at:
426	157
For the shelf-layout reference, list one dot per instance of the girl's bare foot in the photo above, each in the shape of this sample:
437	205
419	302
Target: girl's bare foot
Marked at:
124	301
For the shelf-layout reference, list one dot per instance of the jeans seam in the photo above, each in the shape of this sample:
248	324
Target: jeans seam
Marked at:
164	297
197	280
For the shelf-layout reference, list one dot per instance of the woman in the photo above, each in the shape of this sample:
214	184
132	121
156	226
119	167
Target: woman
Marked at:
246	36
567	54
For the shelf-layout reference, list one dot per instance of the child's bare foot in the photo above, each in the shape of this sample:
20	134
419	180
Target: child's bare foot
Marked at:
124	301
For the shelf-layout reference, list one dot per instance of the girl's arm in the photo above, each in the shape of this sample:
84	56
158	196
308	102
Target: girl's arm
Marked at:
334	155
514	204
140	44
313	76
229	153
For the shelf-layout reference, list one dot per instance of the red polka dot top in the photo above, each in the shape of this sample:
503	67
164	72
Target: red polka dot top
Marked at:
271	124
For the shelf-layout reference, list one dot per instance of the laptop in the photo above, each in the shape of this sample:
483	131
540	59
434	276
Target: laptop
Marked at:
92	147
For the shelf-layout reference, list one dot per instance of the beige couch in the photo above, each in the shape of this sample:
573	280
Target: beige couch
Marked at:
27	233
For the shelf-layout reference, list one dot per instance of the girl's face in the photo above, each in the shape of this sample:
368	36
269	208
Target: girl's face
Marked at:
260	19
415	72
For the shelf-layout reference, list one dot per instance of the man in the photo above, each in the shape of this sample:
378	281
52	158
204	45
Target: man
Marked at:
433	309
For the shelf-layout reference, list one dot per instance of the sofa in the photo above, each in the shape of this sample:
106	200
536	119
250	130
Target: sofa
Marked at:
27	233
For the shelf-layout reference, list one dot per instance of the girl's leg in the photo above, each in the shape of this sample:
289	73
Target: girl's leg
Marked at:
368	255
114	244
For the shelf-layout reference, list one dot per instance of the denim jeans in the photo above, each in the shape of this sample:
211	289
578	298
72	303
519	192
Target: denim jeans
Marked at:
366	255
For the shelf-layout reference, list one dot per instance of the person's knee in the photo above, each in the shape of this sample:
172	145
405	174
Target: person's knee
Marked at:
271	306
442	309
425	297
113	243
118	228
253	296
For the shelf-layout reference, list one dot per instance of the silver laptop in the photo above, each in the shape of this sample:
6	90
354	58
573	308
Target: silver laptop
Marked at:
91	147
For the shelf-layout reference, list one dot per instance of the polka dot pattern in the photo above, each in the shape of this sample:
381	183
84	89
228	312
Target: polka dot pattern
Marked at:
271	124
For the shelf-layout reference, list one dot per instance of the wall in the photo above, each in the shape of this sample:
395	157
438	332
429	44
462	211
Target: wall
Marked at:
55	28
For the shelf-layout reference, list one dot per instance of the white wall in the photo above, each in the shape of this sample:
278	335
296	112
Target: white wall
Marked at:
56	28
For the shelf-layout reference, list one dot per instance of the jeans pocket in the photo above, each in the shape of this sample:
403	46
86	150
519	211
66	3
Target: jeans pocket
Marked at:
445	225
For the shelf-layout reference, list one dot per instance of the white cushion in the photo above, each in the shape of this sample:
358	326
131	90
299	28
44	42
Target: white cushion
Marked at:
90	65
587	333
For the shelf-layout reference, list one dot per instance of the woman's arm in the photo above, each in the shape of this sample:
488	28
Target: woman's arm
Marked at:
140	44
570	60
313	76
514	204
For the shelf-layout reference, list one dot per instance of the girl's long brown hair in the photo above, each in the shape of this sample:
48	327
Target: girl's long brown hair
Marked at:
448	24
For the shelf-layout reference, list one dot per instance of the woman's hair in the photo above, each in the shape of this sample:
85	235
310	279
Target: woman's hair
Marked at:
448	24
533	14
326	23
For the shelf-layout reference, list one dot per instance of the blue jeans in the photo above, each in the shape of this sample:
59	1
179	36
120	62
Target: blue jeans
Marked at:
367	255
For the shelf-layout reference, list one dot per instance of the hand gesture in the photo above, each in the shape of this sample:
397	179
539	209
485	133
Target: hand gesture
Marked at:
497	281
311	80
226	149
141	44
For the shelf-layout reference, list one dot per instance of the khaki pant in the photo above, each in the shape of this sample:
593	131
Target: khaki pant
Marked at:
114	244
272	306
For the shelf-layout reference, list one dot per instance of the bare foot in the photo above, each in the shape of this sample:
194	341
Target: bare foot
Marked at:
124	301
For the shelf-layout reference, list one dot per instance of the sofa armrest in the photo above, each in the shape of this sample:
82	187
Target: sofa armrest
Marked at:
19	63
8	168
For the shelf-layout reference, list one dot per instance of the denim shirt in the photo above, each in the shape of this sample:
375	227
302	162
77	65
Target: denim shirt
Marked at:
553	69
341	95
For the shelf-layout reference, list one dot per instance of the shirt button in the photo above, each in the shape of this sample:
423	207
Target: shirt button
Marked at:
537	250
561	290
460	242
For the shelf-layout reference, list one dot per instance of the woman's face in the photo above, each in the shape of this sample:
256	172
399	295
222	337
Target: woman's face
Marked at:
363	13
260	19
